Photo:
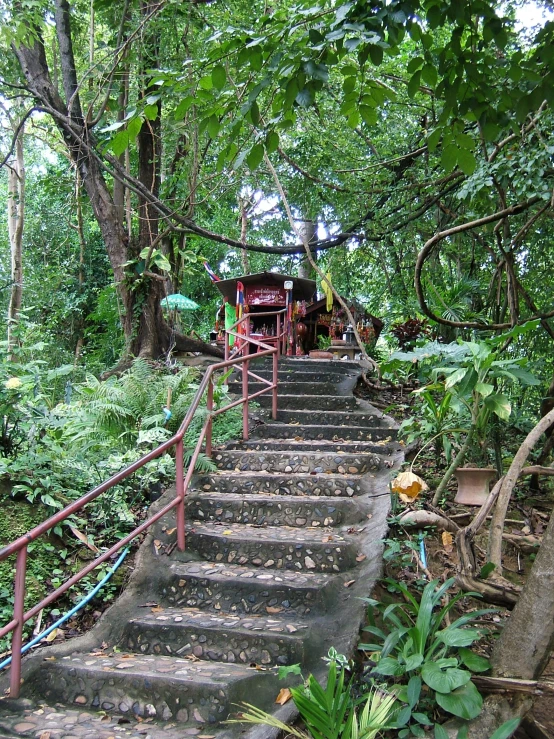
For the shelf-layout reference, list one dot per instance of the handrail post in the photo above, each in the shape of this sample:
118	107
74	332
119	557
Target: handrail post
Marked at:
275	358
245	364
209	408
180	485
278	332
18	613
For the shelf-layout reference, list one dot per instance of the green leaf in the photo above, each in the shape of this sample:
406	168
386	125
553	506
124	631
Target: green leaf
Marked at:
305	97
466	161
369	115
456	377
255	113
444	681
472	661
414	690
206	82
151	112
376	54
413	661
213	126
256	59
119	142
484	388
500	405
429	74
183	107
255	156
449	157
389	666
434	138
133	128
289	670
219	77
415	64
507	729
465	141
486	570
465	702
272	141
414	83
458	637
440	733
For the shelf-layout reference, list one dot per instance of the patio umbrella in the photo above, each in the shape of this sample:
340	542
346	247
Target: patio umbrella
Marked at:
179	302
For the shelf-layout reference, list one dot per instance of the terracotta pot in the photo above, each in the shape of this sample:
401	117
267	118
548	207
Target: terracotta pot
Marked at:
473	484
317	354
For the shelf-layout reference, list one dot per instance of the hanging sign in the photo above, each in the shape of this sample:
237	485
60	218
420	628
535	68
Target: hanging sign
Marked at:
265	295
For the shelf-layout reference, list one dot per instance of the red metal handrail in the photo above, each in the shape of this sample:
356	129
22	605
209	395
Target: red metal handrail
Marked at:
182	481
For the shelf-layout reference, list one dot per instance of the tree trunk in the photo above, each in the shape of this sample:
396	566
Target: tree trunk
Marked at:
146	332
308	231
16	212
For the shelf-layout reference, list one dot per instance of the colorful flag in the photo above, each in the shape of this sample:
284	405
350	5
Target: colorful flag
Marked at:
326	284
211	273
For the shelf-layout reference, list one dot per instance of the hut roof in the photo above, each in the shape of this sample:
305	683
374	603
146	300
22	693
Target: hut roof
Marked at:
302	289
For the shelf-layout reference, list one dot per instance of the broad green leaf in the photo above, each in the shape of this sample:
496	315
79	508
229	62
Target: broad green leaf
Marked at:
483	388
305	97
414	690
458	637
456	377
440	733
182	108
413	661
507	729
472	661
389	666
443	681
206	82
219	77
213	126
272	141
429	74
151	112
449	157
376	54
255	156
414	83
486	570
434	138
465	141
500	405
464	702
466	161
133	128
119	143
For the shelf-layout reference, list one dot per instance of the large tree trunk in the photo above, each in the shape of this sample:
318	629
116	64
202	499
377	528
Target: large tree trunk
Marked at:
16	212
146	332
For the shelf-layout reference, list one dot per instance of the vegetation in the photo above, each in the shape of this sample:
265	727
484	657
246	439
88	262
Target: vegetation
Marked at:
141	139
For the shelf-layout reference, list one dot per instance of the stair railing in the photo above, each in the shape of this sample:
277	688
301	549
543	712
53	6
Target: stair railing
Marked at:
238	356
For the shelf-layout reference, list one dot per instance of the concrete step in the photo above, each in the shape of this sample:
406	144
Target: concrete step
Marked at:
332	418
274	547
312	402
383	447
149	686
304	363
307	431
25	718
209	636
271	509
290	374
234	589
336	485
291	462
294	388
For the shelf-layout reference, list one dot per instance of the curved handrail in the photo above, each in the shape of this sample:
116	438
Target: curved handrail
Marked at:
20	545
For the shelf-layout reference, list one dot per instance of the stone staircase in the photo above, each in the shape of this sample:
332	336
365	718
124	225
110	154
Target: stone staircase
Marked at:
282	542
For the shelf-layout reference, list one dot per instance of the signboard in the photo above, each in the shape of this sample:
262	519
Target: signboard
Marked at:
324	319
265	295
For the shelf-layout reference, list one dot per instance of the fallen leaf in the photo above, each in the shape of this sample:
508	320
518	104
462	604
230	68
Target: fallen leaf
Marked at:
406	483
157	609
171	531
52	635
284	696
270	609
447	541
158	545
45	735
82	537
361	557
348	583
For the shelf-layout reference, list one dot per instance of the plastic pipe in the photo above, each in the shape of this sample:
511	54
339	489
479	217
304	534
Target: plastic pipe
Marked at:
70	613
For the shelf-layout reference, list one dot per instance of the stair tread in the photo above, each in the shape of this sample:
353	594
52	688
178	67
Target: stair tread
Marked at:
266	496
225	474
150	665
194	617
227	572
286	534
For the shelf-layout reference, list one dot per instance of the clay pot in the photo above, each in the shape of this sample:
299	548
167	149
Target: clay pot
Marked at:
473	484
317	354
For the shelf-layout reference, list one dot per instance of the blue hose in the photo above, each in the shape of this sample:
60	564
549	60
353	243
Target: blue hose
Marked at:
70	613
422	552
